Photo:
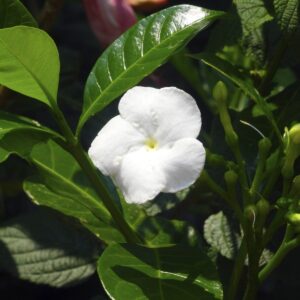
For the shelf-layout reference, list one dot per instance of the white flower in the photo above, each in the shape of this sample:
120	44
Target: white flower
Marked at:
151	147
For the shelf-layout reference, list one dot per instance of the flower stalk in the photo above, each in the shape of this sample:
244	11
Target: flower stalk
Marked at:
90	171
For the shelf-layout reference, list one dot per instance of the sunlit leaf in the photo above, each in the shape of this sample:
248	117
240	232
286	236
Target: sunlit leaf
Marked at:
29	63
140	51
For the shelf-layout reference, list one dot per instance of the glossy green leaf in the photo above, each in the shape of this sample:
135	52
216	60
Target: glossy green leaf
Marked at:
29	63
62	185
10	123
287	14
140	51
13	13
136	272
44	249
18	135
161	232
158	231
68	204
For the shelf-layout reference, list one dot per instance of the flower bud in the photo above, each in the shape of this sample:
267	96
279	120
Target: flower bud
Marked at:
295	189
263	208
220	92
250	213
109	18
230	177
147	5
292	151
294	219
264	146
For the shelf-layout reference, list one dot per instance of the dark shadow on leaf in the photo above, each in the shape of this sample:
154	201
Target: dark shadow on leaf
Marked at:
170	288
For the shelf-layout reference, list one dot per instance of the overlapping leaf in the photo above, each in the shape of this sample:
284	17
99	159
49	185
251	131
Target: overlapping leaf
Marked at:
13	13
140	51
62	186
136	272
253	14
29	63
19	135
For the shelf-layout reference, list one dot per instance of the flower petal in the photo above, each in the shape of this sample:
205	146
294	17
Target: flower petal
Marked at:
114	140
166	114
182	164
140	176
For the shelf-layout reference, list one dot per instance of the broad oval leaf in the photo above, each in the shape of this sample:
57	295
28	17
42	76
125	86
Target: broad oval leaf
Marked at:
13	13
140	51
42	248
29	63
136	272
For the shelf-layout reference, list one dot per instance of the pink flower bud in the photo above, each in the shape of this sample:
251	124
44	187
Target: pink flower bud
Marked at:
109	18
147	5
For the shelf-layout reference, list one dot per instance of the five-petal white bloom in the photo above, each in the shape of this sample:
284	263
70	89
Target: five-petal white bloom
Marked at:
151	147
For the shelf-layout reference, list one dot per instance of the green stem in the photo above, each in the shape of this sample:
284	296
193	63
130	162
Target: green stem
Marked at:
237	272
213	185
222	193
253	269
264	146
286	246
90	171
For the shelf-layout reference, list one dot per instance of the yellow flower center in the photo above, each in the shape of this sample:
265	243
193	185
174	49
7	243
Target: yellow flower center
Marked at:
151	143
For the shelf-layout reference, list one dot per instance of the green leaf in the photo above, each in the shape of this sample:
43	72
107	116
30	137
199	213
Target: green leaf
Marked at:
3	155
241	80
287	14
136	272
11	123
29	63
44	249
13	13
221	236
162	232
253	14
68	204
62	185
158	231
140	51
231	72
18	135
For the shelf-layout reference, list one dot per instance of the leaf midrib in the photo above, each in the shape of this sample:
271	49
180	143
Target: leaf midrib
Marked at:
138	61
82	192
51	101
